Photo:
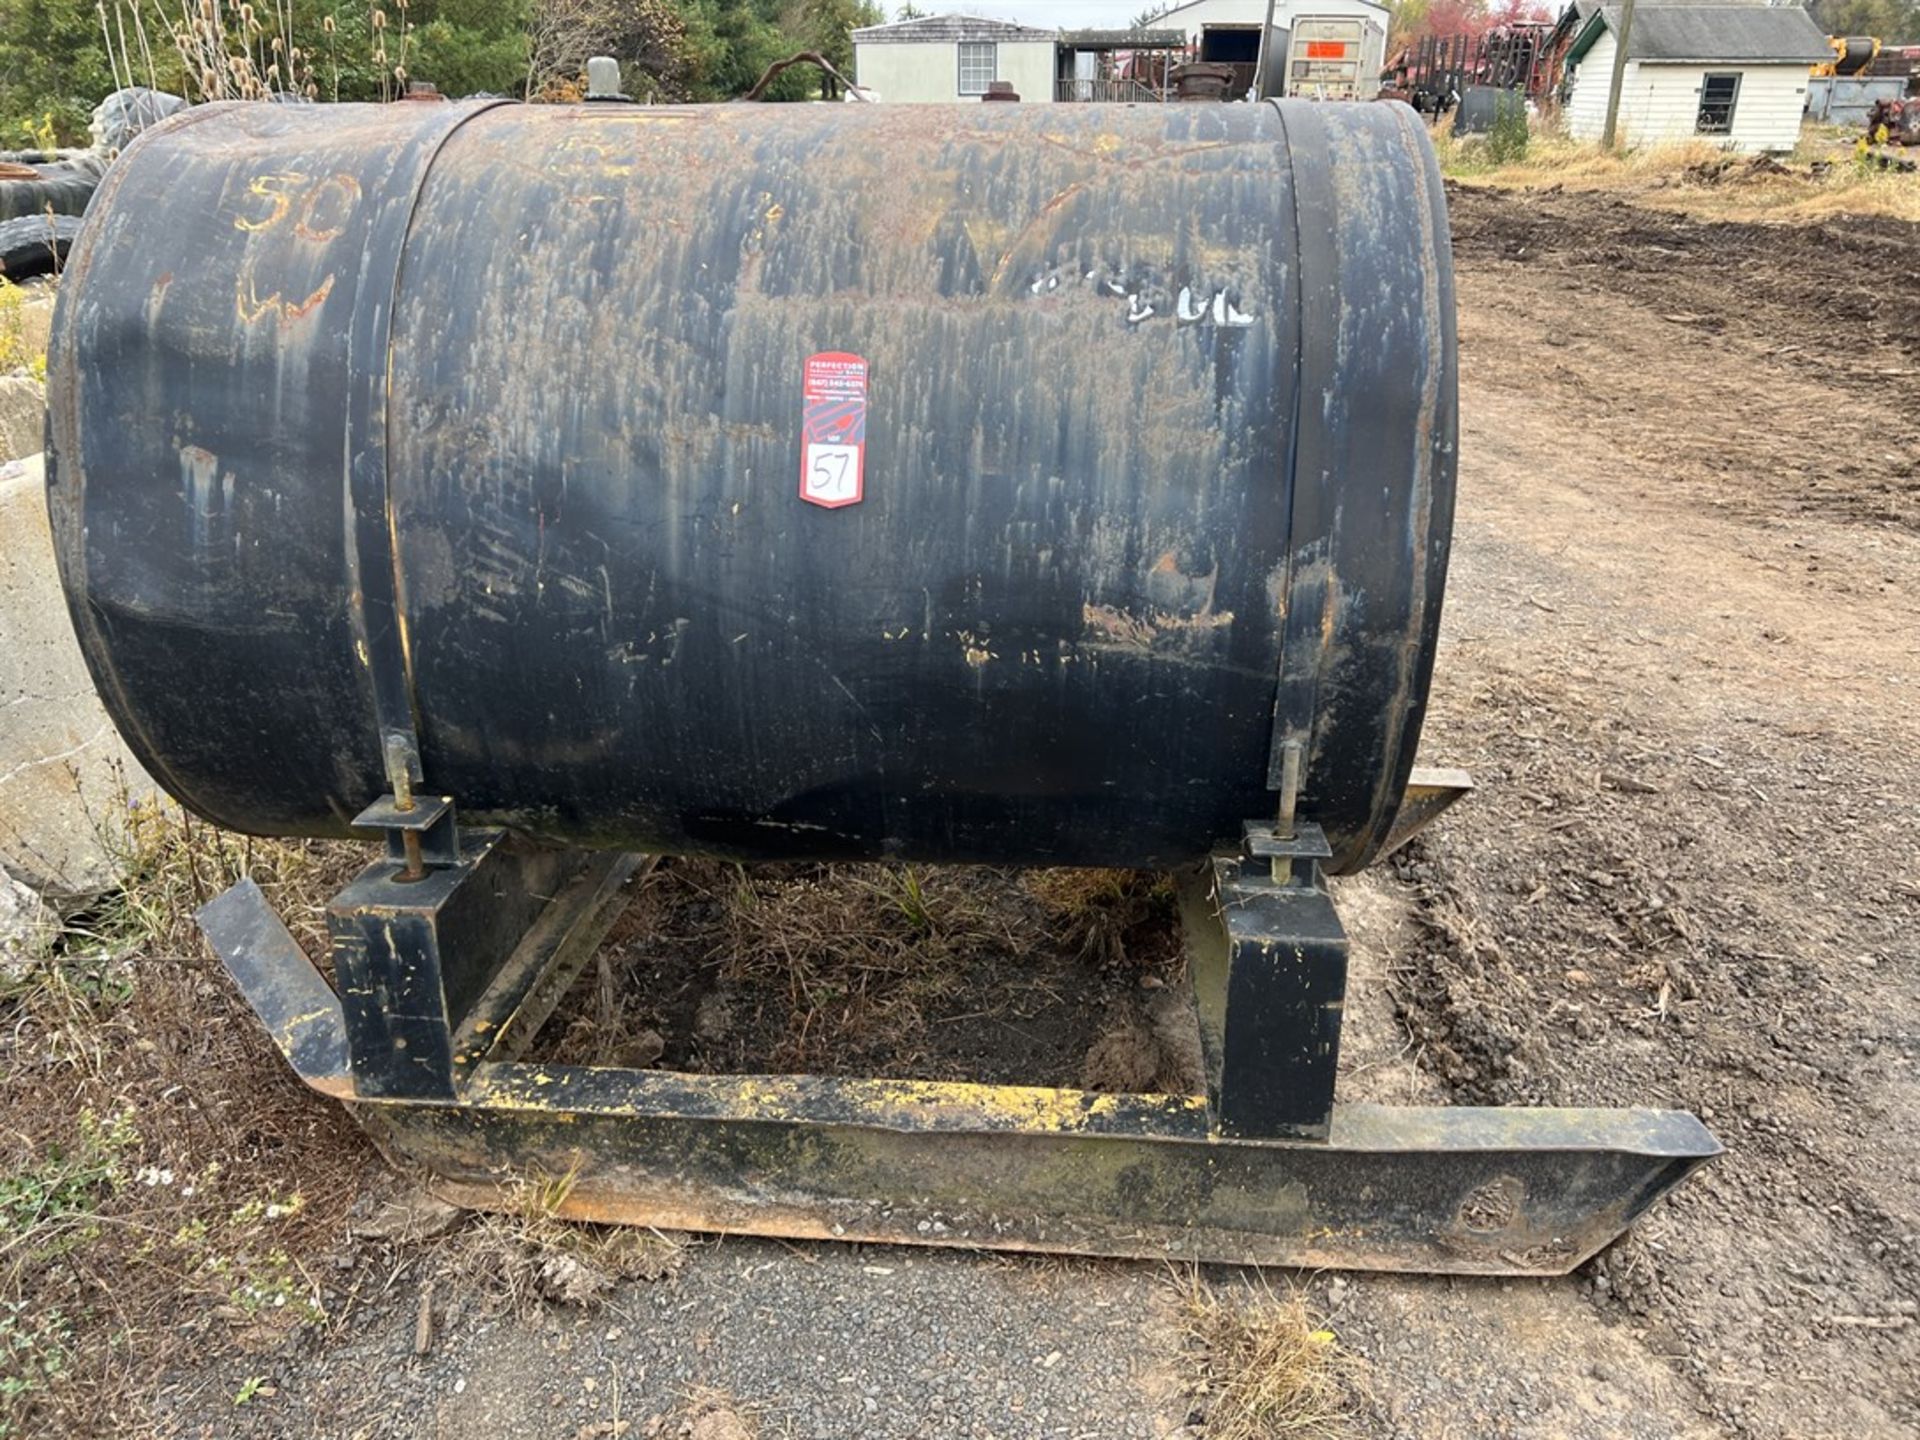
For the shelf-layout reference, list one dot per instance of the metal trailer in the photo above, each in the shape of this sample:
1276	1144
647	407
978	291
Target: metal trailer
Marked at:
1849	99
546	488
1333	57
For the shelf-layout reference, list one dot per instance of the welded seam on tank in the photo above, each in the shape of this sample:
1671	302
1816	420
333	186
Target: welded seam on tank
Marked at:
1276	740
1289	686
385	351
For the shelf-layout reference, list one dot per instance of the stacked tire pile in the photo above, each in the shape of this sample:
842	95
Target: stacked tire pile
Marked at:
44	193
41	199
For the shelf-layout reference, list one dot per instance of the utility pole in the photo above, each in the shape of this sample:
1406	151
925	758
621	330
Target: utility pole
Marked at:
1260	56
1619	74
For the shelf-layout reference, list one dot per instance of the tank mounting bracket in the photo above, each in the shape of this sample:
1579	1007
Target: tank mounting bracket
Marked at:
441	981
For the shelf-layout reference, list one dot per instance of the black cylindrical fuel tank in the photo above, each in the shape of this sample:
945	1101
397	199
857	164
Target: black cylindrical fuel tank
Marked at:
997	482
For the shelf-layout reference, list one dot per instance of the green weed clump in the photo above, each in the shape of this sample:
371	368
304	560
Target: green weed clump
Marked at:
1506	142
16	354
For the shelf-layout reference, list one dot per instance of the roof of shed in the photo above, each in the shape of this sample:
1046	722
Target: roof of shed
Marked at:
950	29
1584	8
1123	39
1280	21
1716	34
1574	18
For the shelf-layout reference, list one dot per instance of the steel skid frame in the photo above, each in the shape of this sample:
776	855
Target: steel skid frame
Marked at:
451	952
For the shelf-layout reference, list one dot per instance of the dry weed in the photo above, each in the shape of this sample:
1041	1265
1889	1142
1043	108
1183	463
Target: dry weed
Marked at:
1266	1367
1821	179
709	1413
947	972
1093	912
526	1256
850	951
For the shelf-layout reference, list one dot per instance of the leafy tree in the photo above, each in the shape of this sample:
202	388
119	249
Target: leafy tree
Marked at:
1893	21
826	27
53	61
1406	20
56	61
464	46
734	41
1417	19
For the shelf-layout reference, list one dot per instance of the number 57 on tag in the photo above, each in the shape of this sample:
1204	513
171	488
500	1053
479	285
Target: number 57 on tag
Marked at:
834	426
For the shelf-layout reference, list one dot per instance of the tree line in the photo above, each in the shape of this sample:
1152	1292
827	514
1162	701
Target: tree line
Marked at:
59	58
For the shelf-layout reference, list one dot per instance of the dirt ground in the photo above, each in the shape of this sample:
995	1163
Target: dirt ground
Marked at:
1680	656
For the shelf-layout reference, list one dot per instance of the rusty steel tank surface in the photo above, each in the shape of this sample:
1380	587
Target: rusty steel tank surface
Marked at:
970	483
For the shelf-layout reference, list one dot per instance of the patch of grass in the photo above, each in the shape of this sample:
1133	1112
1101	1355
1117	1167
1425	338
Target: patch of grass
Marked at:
1266	1367
940	973
49	1208
176	864
34	1342
859	949
52	1205
909	897
163	1176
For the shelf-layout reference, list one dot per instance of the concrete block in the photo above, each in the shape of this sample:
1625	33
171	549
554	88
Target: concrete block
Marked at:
24	329
23	416
27	929
65	775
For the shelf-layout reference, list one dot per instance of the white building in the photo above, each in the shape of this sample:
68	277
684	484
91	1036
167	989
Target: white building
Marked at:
953	57
1732	75
1228	31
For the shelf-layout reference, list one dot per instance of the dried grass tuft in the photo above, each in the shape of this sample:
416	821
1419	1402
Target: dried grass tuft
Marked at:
525	1257
859	950
1822	178
1092	912
1267	1367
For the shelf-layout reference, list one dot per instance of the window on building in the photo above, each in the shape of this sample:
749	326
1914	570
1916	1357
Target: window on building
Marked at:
979	64
1717	94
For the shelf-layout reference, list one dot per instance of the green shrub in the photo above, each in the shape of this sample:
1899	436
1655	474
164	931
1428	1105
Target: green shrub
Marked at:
1507	139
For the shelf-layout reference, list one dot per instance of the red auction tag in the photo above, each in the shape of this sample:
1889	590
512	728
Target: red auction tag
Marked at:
833	456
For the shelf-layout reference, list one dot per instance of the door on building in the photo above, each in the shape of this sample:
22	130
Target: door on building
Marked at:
1235	45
